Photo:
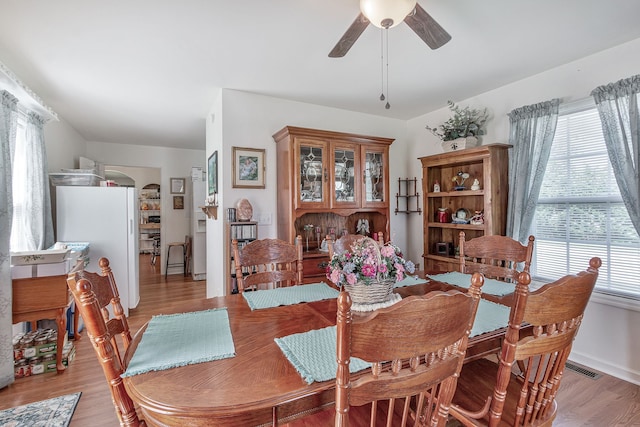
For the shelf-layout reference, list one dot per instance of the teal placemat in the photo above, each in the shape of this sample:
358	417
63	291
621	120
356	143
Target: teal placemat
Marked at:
490	316
289	295
183	339
313	354
409	281
491	286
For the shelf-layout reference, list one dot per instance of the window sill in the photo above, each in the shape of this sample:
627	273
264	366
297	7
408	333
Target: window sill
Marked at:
616	301
627	303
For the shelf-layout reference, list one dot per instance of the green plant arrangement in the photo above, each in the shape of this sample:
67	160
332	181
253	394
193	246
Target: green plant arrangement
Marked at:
464	122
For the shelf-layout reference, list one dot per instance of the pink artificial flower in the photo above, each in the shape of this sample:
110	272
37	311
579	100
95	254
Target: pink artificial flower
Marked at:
351	279
399	267
382	268
335	276
368	270
387	251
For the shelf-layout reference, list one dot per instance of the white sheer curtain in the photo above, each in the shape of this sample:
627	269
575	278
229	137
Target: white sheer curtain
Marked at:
32	222
618	105
8	125
532	130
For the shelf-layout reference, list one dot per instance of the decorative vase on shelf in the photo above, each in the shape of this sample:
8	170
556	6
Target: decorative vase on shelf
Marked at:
244	210
460	143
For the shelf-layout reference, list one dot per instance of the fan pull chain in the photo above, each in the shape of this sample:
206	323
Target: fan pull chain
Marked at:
387	105
382	98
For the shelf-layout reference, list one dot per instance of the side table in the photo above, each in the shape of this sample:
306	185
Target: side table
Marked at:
40	298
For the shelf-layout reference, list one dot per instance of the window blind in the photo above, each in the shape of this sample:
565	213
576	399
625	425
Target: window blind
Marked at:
580	213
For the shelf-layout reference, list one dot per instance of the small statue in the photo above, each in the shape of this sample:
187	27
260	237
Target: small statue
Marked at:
436	187
476	185
363	227
478	218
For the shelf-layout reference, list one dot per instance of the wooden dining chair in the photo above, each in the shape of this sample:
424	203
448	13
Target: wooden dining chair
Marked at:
496	257
268	261
93	293
492	394
416	348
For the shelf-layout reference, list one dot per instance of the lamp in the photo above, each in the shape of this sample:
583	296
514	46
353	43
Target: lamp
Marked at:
386	13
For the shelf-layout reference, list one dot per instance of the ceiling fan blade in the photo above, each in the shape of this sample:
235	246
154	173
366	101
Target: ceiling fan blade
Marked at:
350	36
427	28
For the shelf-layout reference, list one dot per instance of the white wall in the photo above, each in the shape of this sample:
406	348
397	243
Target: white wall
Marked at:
64	145
216	246
174	163
609	337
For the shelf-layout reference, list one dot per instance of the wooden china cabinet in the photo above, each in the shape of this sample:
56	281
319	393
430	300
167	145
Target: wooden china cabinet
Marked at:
489	164
328	183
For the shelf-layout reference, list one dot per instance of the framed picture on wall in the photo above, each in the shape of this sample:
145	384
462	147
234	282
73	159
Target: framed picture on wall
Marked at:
178	202
212	173
248	167
176	185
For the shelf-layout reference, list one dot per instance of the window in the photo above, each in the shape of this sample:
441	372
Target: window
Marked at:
19	175
580	213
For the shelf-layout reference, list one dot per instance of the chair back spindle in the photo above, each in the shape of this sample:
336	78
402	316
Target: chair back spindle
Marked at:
268	261
496	257
527	398
416	348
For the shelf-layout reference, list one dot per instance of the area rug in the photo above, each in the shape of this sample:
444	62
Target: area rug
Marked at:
56	412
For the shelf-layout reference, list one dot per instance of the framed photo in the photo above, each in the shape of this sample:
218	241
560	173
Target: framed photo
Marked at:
212	173
248	167
178	202
176	185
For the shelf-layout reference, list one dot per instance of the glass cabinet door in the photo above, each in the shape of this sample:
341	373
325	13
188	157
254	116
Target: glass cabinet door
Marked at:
373	175
313	172
345	189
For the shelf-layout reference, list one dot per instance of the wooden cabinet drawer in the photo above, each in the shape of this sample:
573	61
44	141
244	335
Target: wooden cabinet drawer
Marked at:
40	293
314	267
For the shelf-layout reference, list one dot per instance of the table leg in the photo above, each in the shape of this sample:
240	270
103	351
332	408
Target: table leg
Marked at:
76	318
61	319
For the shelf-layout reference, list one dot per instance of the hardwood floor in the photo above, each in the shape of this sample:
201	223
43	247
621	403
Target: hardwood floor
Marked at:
606	401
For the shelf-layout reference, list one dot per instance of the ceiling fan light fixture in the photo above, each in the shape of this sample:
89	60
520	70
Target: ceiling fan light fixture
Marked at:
386	13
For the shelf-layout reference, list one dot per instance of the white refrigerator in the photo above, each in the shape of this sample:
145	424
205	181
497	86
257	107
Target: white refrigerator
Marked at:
198	225
107	218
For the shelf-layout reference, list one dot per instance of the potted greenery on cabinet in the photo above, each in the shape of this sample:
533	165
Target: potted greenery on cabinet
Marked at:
462	129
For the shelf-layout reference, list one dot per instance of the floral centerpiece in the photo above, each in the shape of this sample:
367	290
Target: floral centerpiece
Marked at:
366	266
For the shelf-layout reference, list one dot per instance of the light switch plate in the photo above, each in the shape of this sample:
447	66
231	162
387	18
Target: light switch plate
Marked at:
264	218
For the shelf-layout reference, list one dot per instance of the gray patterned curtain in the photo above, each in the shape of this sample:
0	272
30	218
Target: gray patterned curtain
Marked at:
8	126
34	230
532	130
617	104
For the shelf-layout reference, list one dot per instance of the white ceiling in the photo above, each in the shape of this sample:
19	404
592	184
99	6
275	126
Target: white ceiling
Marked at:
146	72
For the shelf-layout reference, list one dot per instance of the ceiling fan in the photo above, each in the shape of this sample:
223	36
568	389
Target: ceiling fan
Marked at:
387	14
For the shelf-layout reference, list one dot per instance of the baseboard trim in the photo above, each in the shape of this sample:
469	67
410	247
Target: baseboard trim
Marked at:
606	367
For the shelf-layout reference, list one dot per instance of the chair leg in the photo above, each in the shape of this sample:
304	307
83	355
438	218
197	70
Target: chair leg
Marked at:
184	260
166	267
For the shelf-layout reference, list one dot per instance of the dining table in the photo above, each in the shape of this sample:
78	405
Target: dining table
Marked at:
258	385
